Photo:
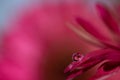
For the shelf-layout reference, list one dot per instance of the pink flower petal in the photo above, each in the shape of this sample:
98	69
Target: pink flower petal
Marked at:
107	18
91	29
106	70
92	59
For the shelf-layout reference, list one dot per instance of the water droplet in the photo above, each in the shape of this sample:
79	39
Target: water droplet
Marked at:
77	57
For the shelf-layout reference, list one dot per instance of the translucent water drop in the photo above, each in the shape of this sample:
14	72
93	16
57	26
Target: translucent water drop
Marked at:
77	57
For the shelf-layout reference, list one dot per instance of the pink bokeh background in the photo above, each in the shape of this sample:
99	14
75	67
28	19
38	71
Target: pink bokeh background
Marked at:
38	45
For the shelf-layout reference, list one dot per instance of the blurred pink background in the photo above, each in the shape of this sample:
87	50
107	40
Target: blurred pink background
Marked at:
36	44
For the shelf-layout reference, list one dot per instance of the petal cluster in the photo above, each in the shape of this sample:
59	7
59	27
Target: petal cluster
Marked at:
108	57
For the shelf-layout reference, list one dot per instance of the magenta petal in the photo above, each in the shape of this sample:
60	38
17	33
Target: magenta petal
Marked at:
107	18
91	29
106	70
78	67
72	76
92	59
69	67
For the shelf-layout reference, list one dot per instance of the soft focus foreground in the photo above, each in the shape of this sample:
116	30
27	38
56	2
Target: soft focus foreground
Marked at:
39	44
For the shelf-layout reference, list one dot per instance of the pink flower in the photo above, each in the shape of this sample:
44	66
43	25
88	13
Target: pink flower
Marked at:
37	43
108	57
